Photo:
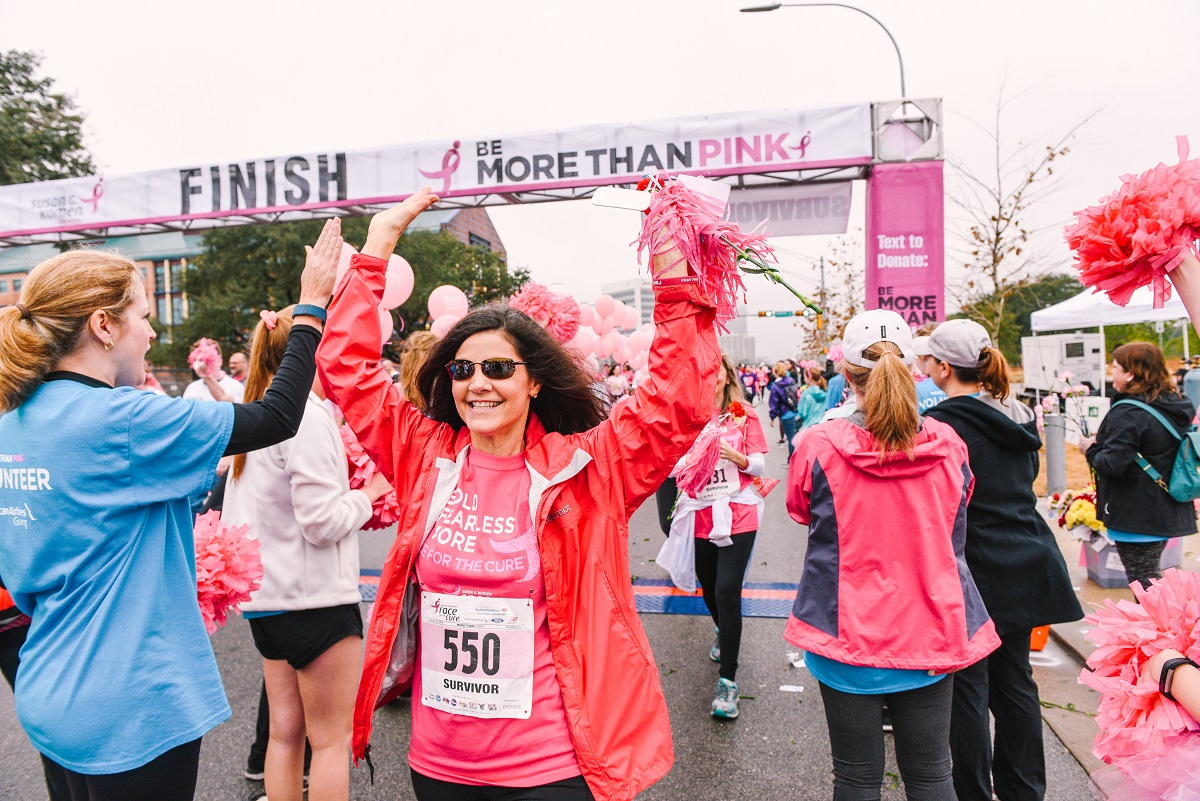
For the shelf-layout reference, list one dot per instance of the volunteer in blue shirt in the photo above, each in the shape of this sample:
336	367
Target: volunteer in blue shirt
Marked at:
118	681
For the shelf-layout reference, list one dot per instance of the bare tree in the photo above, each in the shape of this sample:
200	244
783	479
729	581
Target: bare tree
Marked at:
843	296
1001	249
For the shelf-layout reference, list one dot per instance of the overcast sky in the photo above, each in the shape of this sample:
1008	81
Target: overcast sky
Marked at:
167	84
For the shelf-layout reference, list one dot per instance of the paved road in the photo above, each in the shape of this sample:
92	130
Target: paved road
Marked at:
776	749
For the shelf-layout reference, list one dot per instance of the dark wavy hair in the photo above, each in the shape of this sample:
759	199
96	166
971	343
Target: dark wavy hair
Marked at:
566	403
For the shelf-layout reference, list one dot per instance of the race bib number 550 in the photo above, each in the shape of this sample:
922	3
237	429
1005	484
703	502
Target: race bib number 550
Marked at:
477	655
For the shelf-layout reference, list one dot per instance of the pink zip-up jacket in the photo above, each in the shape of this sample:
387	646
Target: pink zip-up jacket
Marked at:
584	489
885	580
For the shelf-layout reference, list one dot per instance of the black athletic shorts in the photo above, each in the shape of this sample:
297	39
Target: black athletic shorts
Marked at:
303	635
428	789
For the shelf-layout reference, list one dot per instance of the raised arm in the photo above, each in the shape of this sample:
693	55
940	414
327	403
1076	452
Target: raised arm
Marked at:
648	433
1186	278
348	358
277	416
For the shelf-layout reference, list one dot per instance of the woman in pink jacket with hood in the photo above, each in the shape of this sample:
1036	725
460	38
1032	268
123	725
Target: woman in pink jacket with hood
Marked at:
505	601
886	606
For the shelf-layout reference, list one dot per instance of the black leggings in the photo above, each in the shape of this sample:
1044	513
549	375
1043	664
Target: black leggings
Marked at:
1142	560
720	572
10	660
921	719
167	777
428	789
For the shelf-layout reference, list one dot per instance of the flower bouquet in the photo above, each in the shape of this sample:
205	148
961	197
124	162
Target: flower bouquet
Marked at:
1075	511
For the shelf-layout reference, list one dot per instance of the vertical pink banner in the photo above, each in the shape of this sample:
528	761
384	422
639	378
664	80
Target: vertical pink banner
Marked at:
906	241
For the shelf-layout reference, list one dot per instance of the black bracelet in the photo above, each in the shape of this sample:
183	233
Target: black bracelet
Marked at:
1167	676
308	309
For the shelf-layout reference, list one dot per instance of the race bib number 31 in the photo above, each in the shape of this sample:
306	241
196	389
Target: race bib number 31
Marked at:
477	655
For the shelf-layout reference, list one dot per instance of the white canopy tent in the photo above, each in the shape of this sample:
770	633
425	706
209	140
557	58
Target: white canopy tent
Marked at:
1089	309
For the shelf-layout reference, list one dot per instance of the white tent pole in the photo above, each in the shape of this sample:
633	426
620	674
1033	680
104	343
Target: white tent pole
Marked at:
1104	369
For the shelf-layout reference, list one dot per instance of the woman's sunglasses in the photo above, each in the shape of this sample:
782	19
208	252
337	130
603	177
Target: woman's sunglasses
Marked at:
464	369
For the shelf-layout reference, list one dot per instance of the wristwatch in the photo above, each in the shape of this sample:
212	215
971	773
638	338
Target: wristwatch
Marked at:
310	310
1167	676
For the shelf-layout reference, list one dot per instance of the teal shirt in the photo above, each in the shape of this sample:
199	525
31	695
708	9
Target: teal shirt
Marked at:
811	407
96	547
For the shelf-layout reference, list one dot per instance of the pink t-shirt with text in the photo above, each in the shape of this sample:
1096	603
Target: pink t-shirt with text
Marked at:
749	439
484	545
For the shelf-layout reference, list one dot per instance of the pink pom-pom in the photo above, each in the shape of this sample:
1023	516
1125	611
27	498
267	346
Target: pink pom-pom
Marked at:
681	217
386	509
836	353
1139	233
228	568
558	314
1133	715
206	353
695	469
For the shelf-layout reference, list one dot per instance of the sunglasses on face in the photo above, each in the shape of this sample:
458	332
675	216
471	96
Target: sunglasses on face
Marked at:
464	369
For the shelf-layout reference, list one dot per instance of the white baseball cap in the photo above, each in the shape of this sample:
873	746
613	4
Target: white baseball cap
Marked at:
957	343
877	325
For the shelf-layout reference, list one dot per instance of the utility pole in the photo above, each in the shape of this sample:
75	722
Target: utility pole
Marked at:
820	322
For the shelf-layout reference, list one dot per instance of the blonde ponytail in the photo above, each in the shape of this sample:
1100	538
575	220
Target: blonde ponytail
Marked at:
267	346
57	300
889	399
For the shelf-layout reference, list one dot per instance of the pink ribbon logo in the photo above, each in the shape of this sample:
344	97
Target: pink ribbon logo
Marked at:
527	542
449	167
97	193
805	141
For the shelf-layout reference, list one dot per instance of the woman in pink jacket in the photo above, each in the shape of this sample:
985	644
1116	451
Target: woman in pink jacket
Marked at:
505	602
886	606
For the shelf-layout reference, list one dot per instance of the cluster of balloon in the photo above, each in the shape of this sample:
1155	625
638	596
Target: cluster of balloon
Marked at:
447	305
600	328
397	289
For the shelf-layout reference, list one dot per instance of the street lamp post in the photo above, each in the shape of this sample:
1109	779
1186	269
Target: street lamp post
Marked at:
773	6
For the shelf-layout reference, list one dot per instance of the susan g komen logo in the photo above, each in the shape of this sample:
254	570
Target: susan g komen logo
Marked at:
450	162
69	207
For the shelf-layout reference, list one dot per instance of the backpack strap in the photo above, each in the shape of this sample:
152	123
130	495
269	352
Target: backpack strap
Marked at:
1155	476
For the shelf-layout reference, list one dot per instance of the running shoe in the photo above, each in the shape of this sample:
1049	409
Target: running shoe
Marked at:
253	774
714	653
725	704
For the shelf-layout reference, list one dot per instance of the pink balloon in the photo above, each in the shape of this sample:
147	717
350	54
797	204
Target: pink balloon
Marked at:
602	325
447	299
618	312
344	261
603	347
585	314
442	325
621	352
399	282
583	341
632	318
640	340
386	326
638	360
605	305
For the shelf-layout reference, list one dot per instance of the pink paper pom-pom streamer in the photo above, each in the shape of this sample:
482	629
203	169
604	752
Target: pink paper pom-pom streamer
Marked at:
1133	715
714	248
695	469
558	314
1141	232
207	353
228	568
386	509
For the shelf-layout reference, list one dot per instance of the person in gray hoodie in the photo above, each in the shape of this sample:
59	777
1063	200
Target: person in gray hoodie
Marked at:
1012	555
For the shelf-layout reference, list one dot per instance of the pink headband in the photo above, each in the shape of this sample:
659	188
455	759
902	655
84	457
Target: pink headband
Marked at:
269	318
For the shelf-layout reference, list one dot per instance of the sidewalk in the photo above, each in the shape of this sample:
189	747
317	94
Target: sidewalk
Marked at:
1068	706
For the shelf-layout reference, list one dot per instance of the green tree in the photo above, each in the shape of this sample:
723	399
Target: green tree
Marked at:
41	134
245	269
1020	303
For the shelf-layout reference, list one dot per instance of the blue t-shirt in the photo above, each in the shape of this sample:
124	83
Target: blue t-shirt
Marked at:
859	680
96	546
928	395
1129	536
834	392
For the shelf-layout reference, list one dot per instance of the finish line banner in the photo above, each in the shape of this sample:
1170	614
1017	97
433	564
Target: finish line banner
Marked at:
716	145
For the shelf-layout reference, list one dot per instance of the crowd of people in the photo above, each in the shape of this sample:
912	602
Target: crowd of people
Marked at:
504	608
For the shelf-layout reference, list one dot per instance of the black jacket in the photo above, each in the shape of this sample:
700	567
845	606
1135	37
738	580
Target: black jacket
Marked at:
1127	498
1010	549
